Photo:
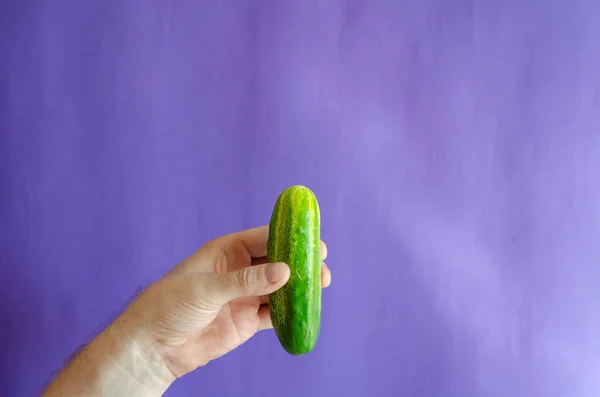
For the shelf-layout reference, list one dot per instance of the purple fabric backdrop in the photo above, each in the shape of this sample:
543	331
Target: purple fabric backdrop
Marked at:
454	146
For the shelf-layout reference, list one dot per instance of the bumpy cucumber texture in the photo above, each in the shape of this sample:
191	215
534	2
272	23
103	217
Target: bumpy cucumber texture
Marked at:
294	238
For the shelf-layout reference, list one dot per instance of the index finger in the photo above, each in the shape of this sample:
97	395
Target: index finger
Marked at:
254	240
238	247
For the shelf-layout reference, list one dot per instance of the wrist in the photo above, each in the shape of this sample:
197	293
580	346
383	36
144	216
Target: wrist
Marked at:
134	358
121	361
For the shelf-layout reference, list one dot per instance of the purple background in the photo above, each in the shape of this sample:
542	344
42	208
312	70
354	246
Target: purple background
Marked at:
454	146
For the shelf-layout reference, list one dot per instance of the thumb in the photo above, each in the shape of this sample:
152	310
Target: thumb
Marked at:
253	281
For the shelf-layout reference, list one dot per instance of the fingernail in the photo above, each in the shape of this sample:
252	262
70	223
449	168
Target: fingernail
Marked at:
276	272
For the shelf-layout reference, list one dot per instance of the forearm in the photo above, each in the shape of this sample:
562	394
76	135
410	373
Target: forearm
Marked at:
121	361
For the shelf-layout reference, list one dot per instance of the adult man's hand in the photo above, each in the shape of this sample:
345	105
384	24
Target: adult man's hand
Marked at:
213	301
206	306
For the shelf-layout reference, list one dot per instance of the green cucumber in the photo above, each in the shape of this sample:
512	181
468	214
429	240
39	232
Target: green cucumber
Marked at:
295	238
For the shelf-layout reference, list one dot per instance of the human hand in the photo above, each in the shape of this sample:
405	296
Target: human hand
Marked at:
213	301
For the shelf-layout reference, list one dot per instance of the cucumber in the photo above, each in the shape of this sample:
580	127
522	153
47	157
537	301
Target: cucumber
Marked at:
295	238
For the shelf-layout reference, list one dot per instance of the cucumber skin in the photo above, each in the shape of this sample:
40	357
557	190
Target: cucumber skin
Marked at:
294	238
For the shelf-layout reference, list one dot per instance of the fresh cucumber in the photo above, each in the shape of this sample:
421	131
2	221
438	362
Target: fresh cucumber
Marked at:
295	238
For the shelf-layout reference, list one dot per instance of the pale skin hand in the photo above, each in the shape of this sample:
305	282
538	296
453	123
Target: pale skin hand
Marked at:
206	306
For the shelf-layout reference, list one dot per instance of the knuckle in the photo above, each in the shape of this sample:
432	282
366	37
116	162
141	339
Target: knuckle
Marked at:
245	278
